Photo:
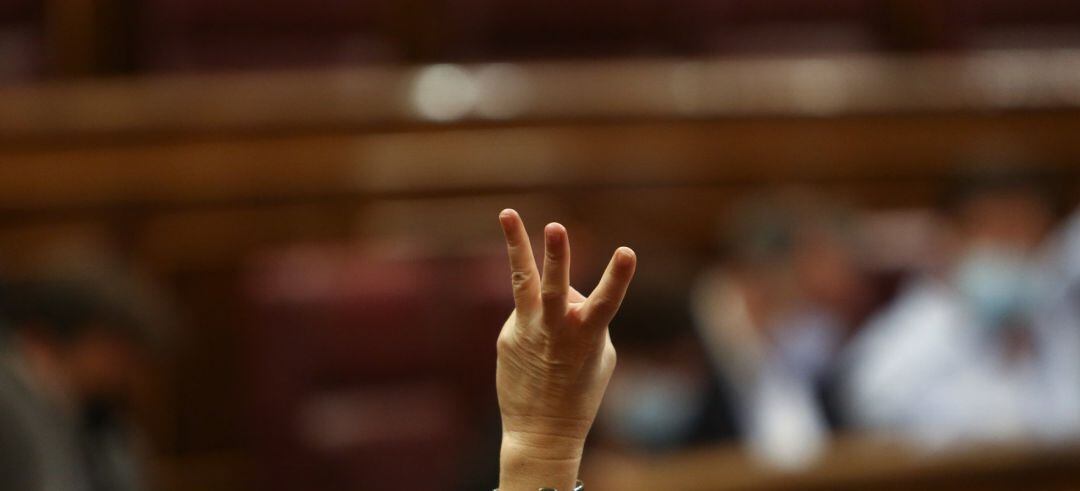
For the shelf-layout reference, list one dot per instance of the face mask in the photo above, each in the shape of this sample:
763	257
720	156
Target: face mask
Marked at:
997	284
653	408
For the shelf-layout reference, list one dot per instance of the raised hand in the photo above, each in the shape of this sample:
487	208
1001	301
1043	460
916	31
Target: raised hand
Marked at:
555	358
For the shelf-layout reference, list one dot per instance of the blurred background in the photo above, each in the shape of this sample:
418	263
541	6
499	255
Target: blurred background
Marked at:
253	244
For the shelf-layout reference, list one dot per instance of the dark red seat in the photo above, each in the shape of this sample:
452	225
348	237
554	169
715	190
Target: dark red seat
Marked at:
370	372
249	34
21	40
516	29
740	26
1015	24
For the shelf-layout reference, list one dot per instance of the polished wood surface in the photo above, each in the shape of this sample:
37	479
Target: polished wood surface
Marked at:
848	464
384	97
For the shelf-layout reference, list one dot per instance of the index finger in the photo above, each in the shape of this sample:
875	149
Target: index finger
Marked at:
524	276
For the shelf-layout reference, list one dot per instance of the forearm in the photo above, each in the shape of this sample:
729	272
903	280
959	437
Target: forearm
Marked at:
531	462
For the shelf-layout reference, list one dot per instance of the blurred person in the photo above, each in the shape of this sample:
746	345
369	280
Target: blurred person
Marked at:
73	341
1057	320
775	314
664	395
966	352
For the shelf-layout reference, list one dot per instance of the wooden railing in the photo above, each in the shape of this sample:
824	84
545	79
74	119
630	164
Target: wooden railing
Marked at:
849	464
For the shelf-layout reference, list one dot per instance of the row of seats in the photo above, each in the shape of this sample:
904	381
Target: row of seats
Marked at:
198	34
366	370
171	35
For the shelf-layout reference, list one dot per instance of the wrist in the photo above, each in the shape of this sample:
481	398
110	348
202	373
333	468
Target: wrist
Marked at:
528	462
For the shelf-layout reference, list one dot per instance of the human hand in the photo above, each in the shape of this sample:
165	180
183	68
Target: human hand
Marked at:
555	358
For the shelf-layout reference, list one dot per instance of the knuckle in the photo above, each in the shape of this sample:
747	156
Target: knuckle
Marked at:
503	344
550	294
519	279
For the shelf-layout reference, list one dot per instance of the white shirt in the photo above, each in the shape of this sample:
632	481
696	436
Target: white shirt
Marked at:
926	370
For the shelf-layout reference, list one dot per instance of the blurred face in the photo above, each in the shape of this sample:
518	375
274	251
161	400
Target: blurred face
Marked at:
102	364
995	270
1013	220
828	275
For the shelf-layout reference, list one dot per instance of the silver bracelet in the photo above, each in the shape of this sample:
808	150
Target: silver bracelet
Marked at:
580	486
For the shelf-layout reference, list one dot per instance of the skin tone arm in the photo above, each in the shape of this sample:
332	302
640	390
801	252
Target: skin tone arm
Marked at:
554	359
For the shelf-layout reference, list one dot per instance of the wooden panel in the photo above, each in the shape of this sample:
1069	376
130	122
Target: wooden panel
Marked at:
464	161
620	90
850	464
